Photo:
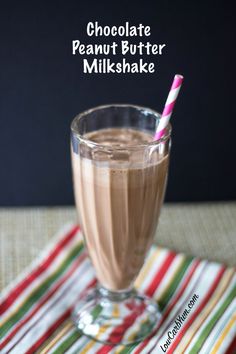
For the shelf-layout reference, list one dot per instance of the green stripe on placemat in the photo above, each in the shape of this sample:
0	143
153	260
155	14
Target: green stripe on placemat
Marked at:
76	335
213	321
166	296
38	292
68	342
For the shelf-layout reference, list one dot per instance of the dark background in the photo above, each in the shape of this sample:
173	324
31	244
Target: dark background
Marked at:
42	88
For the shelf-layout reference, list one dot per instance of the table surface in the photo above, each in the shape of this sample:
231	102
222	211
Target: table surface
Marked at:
206	230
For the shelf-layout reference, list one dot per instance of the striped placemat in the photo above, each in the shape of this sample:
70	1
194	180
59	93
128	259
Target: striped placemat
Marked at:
197	299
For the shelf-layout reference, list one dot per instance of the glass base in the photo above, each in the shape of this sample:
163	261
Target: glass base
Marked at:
123	317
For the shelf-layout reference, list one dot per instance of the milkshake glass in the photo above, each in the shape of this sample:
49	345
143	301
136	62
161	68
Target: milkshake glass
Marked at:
119	175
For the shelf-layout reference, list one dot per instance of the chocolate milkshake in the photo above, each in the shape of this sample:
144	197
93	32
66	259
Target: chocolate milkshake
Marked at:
119	191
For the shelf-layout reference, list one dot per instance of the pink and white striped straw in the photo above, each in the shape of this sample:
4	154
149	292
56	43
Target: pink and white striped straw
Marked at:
169	106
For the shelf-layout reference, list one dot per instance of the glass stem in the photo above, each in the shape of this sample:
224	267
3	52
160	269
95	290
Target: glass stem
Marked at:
116	296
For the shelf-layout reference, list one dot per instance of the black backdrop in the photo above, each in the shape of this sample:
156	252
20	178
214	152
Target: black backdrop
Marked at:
42	88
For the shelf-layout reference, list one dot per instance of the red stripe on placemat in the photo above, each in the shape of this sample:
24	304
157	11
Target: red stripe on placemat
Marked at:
159	275
11	298
41	317
49	332
105	350
55	325
128	321
180	293
115	337
151	289
43	301
232	348
197	312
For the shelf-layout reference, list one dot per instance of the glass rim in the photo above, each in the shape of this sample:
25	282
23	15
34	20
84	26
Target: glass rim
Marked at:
118	105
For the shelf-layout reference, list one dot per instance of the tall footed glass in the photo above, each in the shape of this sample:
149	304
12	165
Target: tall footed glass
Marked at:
119	176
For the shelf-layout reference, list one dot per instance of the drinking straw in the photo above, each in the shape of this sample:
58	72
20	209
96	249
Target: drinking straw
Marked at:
168	109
